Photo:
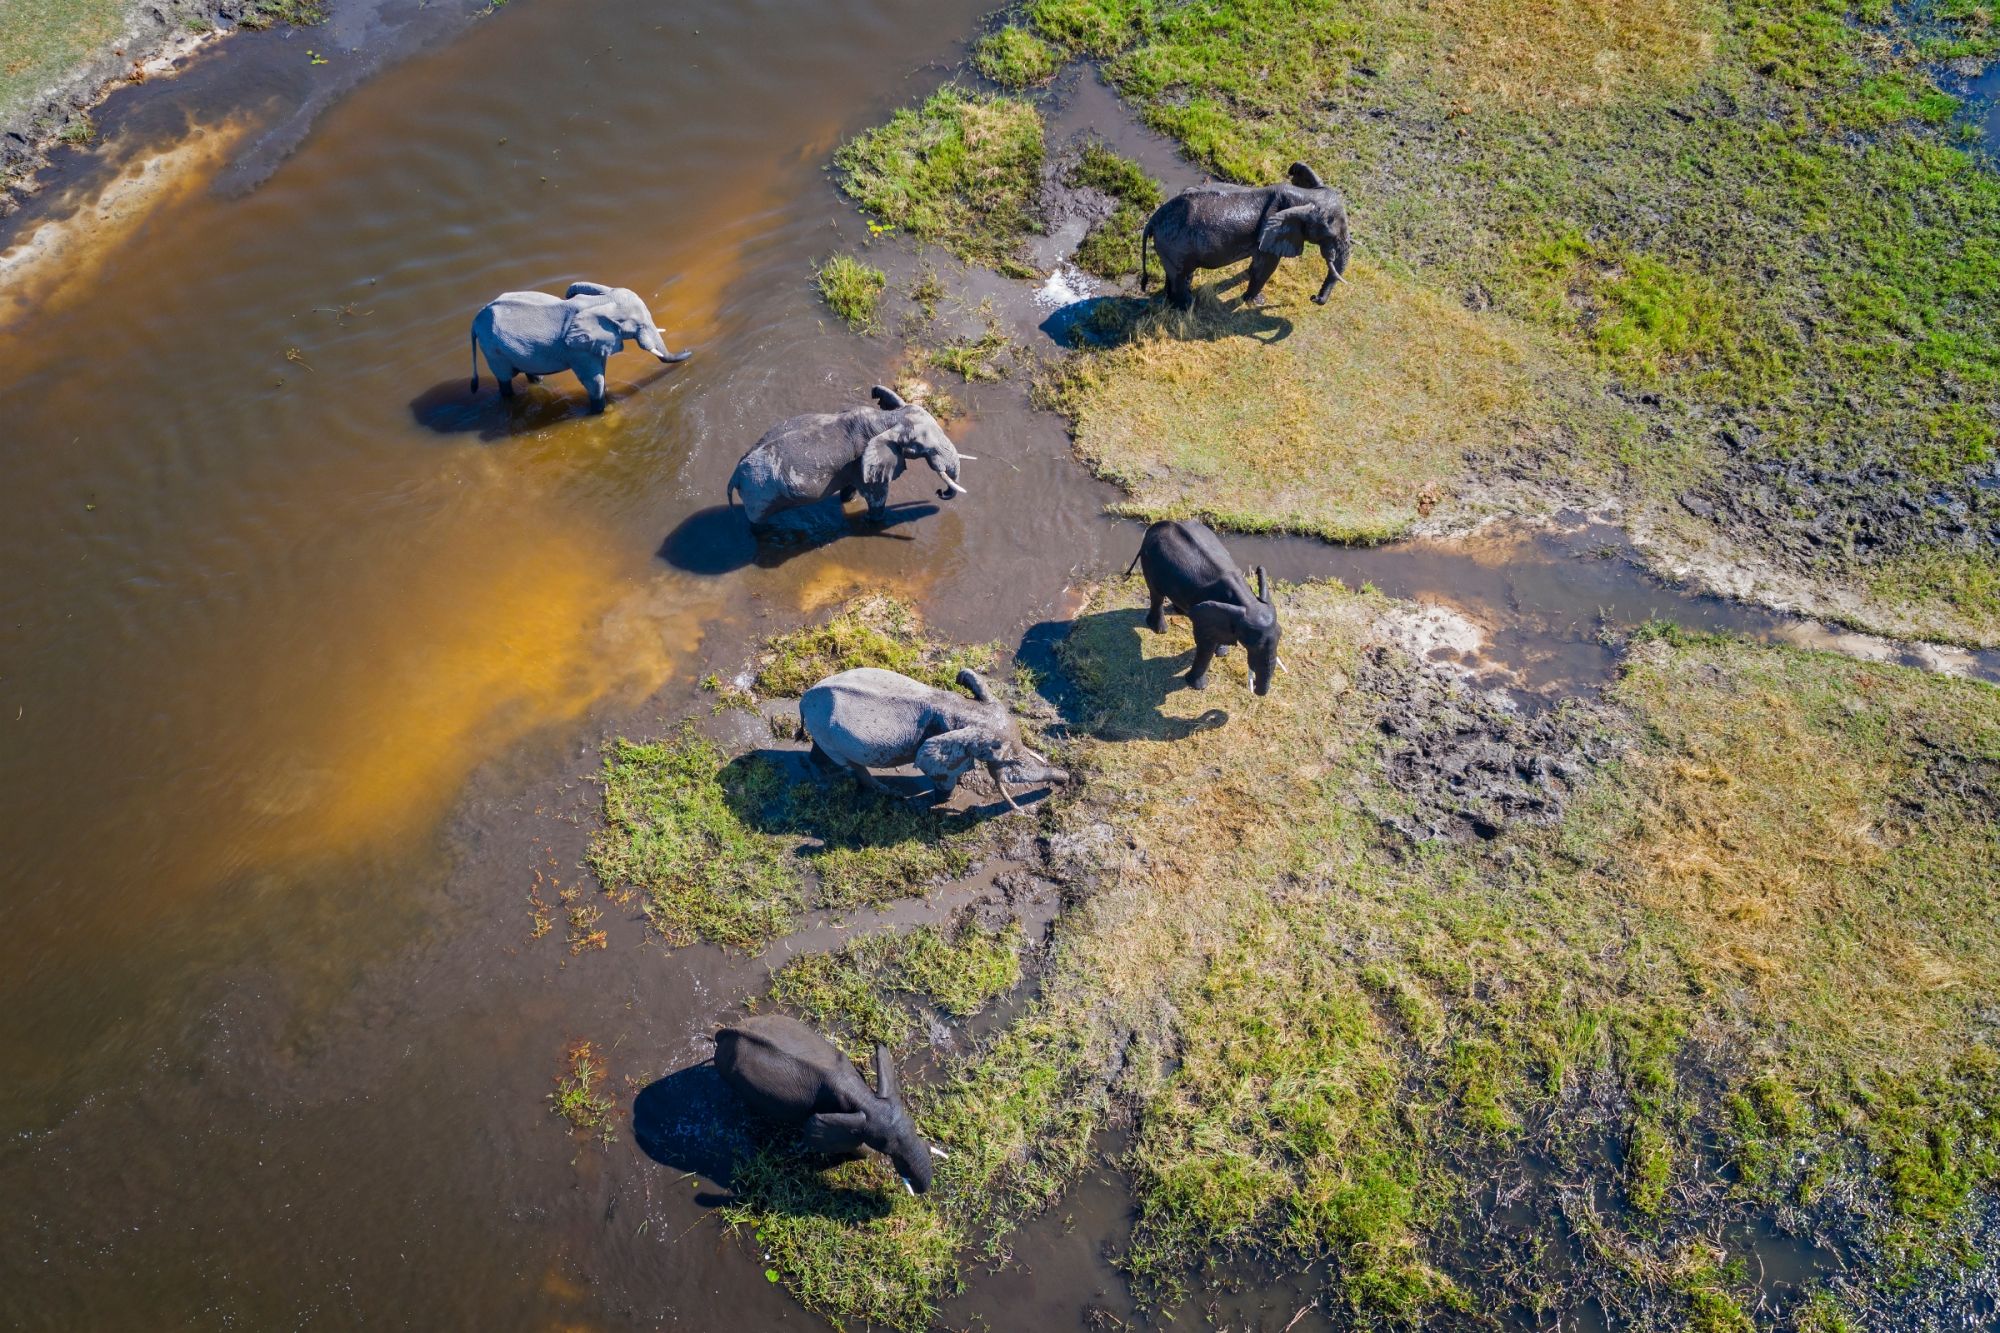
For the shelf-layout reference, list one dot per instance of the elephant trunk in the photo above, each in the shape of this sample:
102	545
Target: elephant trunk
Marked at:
948	470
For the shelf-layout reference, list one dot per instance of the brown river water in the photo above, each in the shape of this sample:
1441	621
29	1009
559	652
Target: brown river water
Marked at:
306	655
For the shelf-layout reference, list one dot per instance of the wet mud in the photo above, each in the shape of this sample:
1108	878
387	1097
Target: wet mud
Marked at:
308	655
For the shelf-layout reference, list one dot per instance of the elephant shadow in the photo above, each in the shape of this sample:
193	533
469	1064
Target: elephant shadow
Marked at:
719	540
692	1122
452	408
1113	321
1094	672
783	792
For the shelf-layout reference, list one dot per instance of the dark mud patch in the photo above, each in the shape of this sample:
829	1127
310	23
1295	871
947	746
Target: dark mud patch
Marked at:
1470	764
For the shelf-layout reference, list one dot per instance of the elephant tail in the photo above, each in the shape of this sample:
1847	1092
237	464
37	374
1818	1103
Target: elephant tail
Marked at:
1144	236
1135	561
735	497
474	336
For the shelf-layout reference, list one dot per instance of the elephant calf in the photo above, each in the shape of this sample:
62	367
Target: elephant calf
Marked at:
534	334
1185	564
870	718
803	460
1214	226
791	1074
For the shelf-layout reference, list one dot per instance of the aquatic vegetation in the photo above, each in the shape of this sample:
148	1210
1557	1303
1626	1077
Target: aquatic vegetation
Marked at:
960	171
852	290
579	1097
1015	57
974	358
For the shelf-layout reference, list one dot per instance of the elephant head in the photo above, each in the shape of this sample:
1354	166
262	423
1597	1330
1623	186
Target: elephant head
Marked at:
604	319
1313	213
886	1127
913	433
997	745
1255	627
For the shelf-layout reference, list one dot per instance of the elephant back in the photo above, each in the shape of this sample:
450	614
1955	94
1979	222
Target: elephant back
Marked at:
783	1069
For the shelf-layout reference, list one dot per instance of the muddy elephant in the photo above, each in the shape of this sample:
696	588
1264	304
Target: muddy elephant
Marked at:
869	718
1185	564
790	1074
534	334
805	459
1214	226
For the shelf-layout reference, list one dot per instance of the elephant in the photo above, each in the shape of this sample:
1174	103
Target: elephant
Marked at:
1213	226
534	334
1186	564
790	1074
805	459
870	718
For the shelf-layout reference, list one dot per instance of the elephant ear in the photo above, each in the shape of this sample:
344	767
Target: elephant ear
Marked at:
886	398
1283	233
835	1131
577	289
592	330
1221	621
881	461
886	1085
1304	177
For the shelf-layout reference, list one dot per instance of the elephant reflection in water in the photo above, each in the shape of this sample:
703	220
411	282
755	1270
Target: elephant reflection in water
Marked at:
810	458
534	334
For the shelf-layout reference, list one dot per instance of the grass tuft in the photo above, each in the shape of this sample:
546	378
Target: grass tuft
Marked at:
579	1097
852	290
961	171
1015	57
872	631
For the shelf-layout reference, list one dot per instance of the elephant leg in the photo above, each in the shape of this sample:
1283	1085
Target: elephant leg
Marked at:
860	773
1180	289
594	384
846	494
1261	269
1197	676
504	373
878	501
1156	619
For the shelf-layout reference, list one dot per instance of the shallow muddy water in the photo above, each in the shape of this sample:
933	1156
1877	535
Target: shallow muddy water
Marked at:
306	654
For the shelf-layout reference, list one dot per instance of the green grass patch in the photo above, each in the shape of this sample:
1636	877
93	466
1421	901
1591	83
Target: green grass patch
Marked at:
873	989
974	358
960	171
732	849
1015	57
851	289
873	631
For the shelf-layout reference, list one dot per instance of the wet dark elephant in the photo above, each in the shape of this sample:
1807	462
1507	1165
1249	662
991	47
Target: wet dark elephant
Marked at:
1214	226
790	1074
1186	564
806	459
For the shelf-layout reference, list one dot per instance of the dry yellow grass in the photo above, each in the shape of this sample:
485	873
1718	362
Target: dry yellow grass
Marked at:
1348	421
1805	822
1574	52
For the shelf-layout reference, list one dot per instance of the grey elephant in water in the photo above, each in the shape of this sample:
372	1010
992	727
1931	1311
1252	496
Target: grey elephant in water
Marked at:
791	1074
805	459
534	334
869	718
1214	226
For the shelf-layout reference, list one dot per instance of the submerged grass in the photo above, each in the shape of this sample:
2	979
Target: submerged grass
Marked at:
713	844
1333	1042
579	1097
959	171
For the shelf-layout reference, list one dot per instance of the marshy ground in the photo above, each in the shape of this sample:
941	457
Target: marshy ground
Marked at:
1485	1018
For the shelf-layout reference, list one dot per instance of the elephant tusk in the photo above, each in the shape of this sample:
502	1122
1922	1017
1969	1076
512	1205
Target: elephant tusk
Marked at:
953	487
908	1186
940	1153
1281	665
968	458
